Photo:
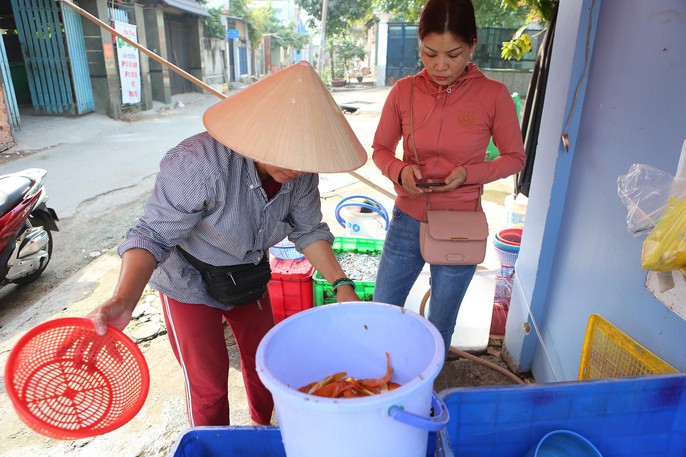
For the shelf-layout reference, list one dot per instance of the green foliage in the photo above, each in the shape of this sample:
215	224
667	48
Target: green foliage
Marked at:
540	11
347	50
284	36
489	13
213	24
241	9
515	48
341	15
401	10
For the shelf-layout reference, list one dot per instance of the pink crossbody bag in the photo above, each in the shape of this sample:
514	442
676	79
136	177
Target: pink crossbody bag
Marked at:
450	237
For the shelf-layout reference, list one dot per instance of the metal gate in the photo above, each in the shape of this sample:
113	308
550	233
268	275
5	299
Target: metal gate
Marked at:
49	55
402	56
179	54
8	88
78	63
243	54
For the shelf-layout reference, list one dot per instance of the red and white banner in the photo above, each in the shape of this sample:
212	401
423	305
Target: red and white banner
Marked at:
129	64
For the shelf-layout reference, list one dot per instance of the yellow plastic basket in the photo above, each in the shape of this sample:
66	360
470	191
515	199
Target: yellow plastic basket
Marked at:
608	352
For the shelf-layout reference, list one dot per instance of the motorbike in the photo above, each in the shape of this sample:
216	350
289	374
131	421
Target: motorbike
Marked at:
26	224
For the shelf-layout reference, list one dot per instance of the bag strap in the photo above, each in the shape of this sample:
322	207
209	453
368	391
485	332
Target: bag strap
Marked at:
414	146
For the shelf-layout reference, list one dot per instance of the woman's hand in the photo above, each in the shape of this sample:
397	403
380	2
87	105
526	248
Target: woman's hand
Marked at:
455	179
136	268
409	176
113	312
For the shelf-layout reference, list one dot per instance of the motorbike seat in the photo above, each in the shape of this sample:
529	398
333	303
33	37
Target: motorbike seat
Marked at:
12	191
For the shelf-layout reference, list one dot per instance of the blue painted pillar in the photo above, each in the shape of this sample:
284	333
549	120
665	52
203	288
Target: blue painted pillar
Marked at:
572	52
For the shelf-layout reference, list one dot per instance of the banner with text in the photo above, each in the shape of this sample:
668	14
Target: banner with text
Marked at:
129	68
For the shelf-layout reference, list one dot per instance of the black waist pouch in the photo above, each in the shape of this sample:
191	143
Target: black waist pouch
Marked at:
234	285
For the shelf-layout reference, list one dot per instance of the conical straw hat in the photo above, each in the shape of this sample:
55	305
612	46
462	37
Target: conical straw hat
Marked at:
289	120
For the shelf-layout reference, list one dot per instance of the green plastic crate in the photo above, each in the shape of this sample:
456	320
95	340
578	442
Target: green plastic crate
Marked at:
492	151
322	293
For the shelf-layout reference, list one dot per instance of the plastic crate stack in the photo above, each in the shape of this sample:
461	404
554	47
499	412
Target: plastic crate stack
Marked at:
296	286
506	243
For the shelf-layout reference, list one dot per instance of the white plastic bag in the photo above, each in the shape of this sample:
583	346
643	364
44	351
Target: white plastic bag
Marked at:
644	191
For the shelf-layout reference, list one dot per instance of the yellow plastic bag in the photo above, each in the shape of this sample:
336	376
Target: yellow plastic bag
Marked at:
664	249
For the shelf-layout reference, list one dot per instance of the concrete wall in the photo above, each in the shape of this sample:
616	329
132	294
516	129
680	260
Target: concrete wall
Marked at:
515	80
214	61
157	43
577	256
146	85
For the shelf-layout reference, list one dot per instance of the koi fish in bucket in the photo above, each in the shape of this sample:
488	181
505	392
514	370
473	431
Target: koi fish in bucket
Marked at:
340	385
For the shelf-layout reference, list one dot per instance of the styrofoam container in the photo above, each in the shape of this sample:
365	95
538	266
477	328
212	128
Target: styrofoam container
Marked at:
516	210
354	337
472	328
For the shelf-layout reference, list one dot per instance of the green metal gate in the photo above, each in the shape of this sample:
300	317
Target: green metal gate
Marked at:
402	56
8	88
54	53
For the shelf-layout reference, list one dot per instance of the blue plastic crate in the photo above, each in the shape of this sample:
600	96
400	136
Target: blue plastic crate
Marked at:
235	441
632	416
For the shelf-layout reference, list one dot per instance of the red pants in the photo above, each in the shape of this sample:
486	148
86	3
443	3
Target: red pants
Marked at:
196	334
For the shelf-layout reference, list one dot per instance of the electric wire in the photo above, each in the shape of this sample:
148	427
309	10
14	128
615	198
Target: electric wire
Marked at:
472	357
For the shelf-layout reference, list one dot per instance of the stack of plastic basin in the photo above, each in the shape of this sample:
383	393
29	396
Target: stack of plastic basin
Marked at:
506	243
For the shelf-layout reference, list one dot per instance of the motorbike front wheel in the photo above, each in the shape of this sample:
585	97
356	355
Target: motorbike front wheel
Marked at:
33	276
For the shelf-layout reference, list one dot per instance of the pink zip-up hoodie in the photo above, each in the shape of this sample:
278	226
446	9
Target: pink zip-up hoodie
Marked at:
452	127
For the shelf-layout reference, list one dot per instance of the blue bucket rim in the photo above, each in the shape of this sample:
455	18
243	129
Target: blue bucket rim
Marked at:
594	450
505	247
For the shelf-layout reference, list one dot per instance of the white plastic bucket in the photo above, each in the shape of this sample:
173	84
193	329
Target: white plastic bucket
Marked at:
367	218
354	337
359	224
516	210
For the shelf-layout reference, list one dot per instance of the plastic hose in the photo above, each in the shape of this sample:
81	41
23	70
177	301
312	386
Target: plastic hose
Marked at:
367	203
469	356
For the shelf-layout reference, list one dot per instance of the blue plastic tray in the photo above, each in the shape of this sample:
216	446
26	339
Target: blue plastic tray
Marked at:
633	416
237	441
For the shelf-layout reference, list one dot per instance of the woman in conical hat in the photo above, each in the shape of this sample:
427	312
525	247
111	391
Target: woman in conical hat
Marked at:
221	199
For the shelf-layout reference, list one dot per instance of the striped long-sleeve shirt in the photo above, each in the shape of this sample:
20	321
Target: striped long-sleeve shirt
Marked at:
209	200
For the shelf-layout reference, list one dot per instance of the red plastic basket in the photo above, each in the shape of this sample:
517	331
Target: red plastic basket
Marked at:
507	242
511	235
67	382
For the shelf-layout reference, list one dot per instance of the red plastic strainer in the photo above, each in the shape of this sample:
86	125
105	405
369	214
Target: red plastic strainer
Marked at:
67	382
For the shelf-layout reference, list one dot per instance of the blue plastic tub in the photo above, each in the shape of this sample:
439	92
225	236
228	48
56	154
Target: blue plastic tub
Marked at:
632	416
241	442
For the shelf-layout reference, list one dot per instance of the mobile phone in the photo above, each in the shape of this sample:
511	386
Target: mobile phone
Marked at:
430	183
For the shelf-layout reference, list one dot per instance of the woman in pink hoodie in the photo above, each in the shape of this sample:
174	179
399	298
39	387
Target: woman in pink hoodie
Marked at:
456	110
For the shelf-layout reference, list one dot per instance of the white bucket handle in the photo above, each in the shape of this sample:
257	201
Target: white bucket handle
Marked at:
433	424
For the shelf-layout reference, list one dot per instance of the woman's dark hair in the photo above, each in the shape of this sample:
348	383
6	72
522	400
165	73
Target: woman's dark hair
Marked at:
454	16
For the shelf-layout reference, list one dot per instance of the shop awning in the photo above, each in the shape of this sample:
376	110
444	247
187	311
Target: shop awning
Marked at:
189	6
